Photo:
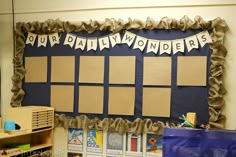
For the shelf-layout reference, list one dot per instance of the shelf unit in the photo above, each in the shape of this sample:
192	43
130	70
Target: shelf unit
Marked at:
41	139
36	124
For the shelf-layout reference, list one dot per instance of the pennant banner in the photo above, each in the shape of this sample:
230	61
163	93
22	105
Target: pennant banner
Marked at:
54	39
178	46
80	43
128	38
103	42
31	38
92	44
152	46
142	43
70	40
42	40
115	39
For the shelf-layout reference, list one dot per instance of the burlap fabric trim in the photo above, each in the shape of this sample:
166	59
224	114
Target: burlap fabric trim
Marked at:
216	91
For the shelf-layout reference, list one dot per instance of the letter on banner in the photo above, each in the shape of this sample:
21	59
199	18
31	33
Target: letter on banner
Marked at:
178	45
80	43
128	38
115	39
103	42
140	43
70	40
31	38
42	40
152	46
92	44
165	46
203	38
191	42
54	39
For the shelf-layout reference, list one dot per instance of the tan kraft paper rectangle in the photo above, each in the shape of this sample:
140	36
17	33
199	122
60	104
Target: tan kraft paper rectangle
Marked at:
156	102
191	70
157	71
36	69
62	97
122	70
62	69
121	100
91	99
91	69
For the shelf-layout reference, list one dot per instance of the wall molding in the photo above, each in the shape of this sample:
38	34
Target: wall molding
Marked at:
27	6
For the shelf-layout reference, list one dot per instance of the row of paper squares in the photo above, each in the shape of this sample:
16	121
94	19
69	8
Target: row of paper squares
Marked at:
191	70
121	100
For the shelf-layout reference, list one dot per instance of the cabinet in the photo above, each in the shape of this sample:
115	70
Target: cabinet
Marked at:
39	141
35	134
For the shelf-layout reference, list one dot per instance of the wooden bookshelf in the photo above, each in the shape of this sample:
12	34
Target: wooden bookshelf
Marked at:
41	139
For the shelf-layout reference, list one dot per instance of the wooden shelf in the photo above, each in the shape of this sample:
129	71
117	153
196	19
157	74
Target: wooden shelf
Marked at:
24	133
33	148
38	140
37	131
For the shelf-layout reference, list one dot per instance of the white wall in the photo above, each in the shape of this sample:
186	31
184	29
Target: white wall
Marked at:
81	10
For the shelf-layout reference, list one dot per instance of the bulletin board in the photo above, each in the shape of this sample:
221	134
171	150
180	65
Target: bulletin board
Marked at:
126	84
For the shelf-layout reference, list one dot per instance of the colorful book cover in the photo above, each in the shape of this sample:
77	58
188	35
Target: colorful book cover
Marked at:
69	154
134	145
75	139
94	141
154	145
114	143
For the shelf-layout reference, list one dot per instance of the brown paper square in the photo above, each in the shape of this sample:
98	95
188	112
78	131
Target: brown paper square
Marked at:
121	100
122	70
63	69
91	69
36	69
156	102
157	71
62	98
191	70
91	99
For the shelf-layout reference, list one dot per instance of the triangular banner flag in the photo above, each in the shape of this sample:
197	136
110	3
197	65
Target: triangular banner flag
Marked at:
115	39
92	44
191	42
42	40
54	39
103	43
31	38
203	38
70	40
140	43
152	45
80	43
128	38
178	45
165	46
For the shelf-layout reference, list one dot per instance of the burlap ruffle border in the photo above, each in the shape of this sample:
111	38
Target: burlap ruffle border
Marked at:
216	91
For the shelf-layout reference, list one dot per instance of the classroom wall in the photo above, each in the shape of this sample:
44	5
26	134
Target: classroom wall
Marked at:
81	10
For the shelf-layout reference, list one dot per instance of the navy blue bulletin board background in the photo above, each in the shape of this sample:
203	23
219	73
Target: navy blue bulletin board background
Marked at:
183	98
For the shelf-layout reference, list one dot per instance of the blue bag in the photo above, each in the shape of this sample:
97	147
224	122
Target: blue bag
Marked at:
182	142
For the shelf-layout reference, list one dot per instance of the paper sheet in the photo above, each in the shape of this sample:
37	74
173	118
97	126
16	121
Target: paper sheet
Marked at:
122	70
62	98
191	70
63	69
36	69
91	99
121	100
157	71
156	102
91	69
